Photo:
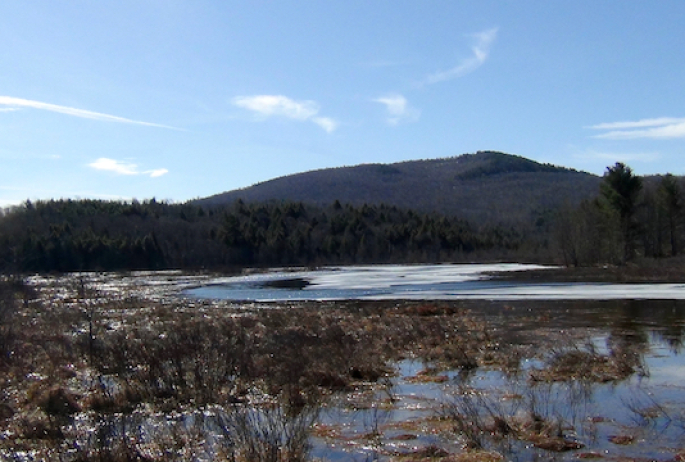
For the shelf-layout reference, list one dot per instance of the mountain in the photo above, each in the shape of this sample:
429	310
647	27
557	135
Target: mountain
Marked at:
486	187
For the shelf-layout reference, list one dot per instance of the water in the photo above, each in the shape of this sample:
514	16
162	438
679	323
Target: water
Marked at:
419	282
646	409
404	413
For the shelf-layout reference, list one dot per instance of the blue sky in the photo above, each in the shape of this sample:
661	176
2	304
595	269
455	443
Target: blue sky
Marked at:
184	99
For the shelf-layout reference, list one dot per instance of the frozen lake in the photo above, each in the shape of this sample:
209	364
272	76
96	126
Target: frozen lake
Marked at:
419	282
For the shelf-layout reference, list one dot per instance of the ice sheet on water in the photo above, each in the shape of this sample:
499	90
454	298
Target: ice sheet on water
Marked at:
383	276
386	276
565	291
423	282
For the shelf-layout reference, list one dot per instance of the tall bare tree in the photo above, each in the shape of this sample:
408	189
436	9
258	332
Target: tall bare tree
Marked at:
671	204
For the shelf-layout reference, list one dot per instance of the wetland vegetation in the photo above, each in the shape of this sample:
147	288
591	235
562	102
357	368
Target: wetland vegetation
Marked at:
112	367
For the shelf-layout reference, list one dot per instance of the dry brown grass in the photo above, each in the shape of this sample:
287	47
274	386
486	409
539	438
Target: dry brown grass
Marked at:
112	354
574	363
258	374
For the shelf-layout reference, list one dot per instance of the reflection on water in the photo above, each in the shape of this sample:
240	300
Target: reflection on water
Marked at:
605	380
600	373
486	379
586	379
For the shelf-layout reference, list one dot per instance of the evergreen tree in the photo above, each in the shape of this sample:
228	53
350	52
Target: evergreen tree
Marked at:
621	189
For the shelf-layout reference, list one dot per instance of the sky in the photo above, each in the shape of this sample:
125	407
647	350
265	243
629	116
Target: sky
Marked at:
178	100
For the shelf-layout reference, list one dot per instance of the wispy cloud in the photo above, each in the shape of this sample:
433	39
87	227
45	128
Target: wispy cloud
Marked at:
481	51
121	168
114	166
157	172
398	109
593	155
282	106
11	103
326	123
278	105
657	128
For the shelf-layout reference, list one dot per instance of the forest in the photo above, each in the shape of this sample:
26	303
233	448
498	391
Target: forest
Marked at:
631	217
67	235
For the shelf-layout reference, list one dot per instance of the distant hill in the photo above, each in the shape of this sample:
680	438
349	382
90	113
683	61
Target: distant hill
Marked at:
486	187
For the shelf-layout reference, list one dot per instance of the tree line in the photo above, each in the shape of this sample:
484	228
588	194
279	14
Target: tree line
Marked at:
631	217
86	235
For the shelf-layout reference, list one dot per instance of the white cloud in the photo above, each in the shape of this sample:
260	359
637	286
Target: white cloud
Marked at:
657	128
639	124
396	104
121	168
398	109
115	166
12	103
158	172
589	155
326	123
270	105
282	106
481	51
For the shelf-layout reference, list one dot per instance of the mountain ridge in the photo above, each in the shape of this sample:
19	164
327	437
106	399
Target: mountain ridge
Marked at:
485	187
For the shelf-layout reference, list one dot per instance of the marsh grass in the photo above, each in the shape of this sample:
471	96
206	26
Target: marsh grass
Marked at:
584	363
93	373
110	357
484	421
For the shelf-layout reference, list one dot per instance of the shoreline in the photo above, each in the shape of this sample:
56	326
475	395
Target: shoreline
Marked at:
616	274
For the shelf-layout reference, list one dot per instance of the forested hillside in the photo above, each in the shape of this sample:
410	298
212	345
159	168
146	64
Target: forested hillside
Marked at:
486	187
71	235
624	218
